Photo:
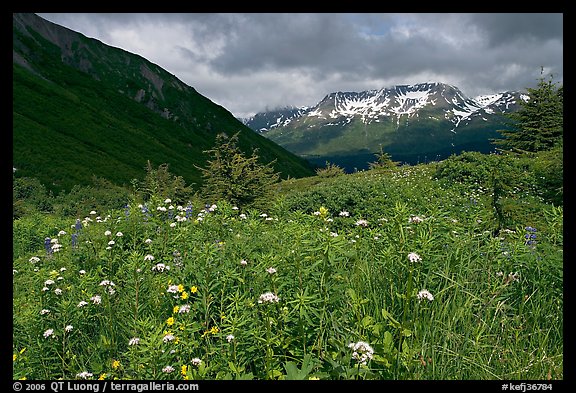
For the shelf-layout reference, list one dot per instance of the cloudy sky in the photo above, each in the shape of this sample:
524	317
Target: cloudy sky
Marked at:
252	62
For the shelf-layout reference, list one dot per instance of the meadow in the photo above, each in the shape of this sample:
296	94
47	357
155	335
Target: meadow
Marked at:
376	275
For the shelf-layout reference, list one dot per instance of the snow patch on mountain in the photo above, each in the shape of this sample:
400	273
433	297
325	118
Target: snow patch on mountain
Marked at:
397	102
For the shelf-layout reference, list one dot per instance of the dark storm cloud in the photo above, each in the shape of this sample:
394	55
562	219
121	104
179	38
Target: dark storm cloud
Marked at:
247	62
504	28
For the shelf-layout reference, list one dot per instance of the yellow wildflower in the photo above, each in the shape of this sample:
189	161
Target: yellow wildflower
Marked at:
184	370
102	376
180	287
175	309
194	289
115	364
170	321
184	295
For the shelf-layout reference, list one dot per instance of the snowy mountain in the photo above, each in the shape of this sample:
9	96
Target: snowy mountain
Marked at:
408	121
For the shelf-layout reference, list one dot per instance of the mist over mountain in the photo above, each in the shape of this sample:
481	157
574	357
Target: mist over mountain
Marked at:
413	123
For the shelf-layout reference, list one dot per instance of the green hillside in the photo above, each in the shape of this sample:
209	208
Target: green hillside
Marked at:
84	109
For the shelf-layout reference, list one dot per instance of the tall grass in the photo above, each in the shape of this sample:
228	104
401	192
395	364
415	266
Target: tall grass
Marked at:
404	281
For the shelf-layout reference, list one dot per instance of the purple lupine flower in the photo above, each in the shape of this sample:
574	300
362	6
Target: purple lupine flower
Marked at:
78	225
48	245
74	240
530	236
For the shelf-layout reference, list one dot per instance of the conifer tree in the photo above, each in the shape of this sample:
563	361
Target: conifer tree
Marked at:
539	124
231	176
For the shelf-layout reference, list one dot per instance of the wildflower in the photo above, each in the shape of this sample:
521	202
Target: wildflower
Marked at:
93	213
268	297
184	370
184	295
413	257
344	213
82	304
415	220
84	375
148	241
149	257
196	361
69	328
48	282
134	341
243	262
47	245
107	233
362	351
44	312
58	291
82	271
115	364
193	289
111	242
513	277
362	223
184	309
102	377
48	333
96	299
242	216
34	260
170	321
78	225
168	337
172	289
61	233
167	200
271	270
229	338
530	236
425	294
160	267
172	225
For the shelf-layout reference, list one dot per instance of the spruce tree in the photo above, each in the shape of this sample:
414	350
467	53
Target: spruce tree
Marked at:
233	177
539	124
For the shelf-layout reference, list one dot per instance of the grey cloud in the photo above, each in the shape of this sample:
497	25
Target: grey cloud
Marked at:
238	54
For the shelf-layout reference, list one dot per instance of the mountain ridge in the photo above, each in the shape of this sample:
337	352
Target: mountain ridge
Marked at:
437	119
71	92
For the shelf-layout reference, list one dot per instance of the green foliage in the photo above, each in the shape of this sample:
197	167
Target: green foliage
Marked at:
539	124
160	183
330	170
383	161
505	179
29	196
548	168
102	195
350	288
231	176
